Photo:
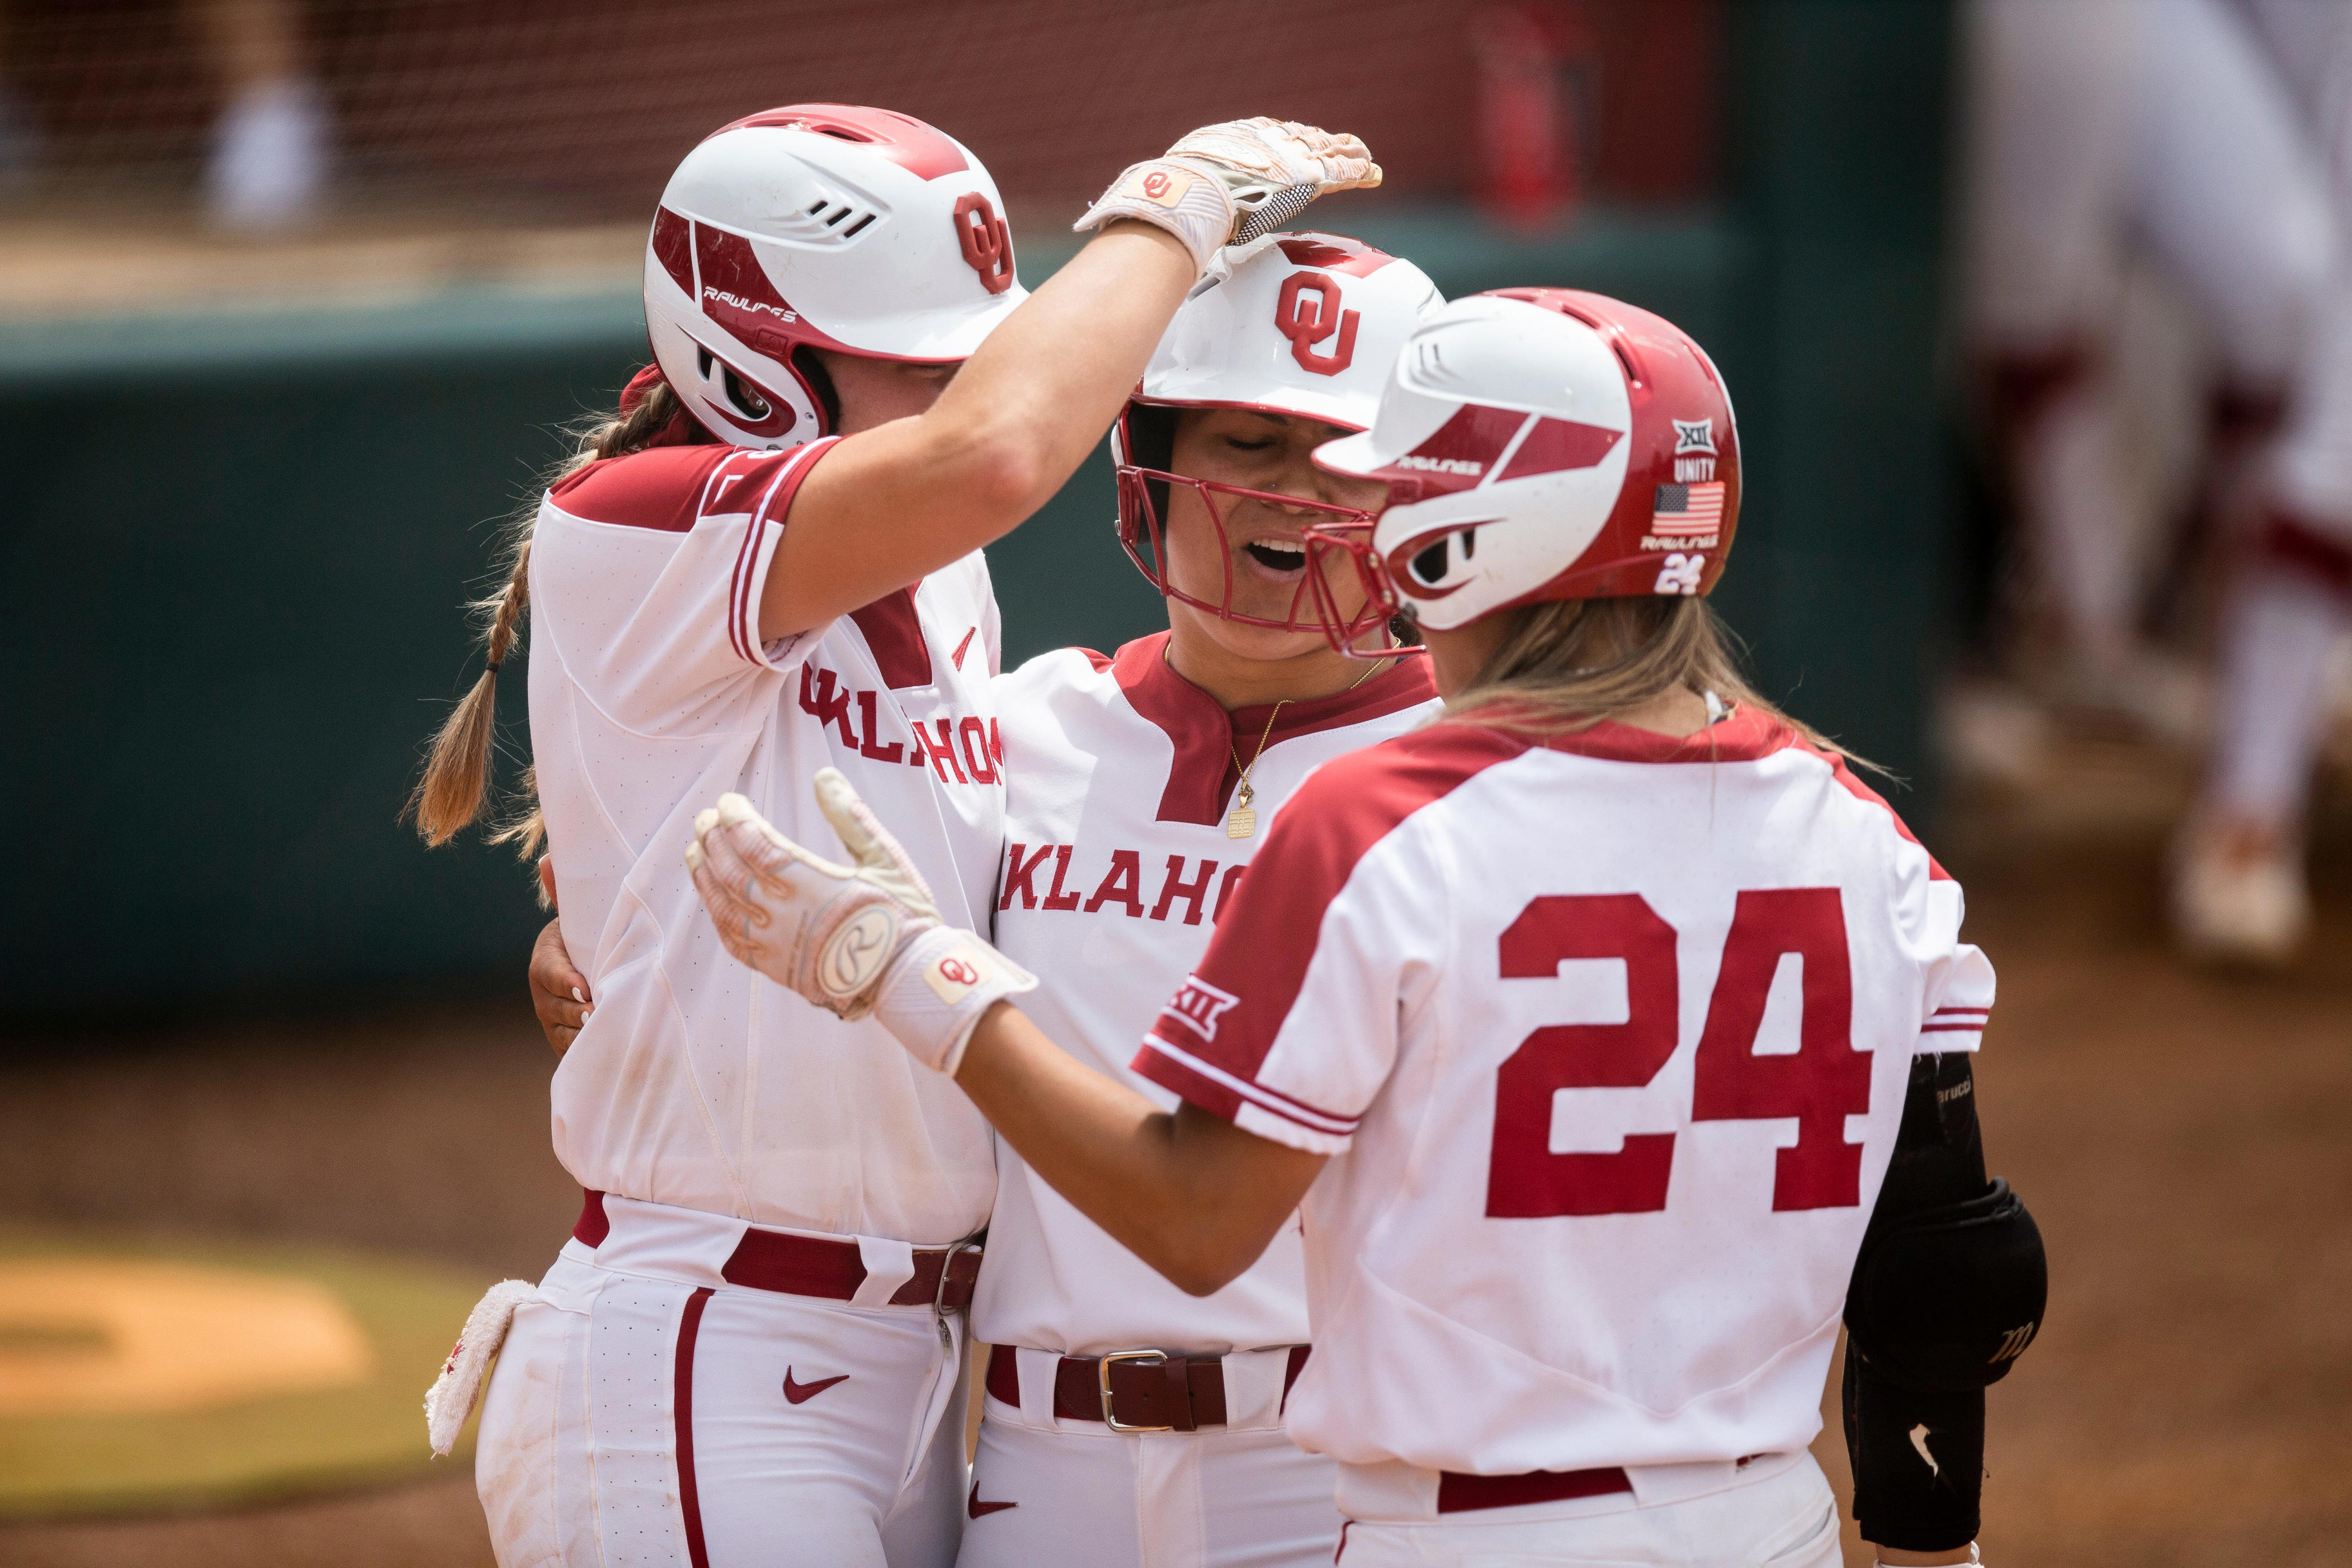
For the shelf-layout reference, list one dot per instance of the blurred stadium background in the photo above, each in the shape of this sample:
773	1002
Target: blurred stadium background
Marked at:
294	299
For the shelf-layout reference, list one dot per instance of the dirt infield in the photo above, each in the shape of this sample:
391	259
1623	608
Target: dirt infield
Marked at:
2184	1139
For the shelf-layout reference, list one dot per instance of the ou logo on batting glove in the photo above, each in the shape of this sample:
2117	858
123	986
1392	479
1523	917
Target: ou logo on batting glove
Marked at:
987	243
958	972
1306	323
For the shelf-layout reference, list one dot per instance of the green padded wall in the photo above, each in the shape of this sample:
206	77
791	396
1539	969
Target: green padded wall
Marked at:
233	547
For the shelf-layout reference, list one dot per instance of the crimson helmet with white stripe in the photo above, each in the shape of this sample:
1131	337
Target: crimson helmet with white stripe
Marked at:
824	226
1543	444
1304	324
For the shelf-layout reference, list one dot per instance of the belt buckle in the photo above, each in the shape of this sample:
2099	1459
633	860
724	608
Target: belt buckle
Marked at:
947	1262
1102	1376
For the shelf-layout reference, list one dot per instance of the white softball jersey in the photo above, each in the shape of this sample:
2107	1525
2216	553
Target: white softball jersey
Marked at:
697	1082
1118	867
1608	1035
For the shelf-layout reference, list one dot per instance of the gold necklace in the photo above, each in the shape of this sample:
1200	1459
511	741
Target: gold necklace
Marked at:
1242	821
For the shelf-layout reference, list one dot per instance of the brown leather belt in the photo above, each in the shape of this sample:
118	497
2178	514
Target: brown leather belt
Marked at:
1134	1391
819	1265
1458	1493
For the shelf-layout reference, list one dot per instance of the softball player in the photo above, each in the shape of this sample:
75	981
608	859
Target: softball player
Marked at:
1552	1323
771	566
1128	1424
1137	788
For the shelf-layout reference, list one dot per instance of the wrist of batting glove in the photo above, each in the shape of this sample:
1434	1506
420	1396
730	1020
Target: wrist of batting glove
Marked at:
937	989
1231	183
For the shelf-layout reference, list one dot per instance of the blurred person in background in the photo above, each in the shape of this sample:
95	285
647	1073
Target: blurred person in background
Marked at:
2215	134
1179	750
766	565
267	162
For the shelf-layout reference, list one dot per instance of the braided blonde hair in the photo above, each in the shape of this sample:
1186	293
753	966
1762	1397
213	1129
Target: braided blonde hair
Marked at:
449	795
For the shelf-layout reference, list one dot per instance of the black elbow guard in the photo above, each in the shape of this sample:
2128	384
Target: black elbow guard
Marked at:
1946	1300
1943	1301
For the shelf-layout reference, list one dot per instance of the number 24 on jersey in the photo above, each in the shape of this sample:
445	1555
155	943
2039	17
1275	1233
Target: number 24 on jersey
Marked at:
1822	1084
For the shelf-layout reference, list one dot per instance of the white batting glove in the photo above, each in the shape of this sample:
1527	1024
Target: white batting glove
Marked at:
855	940
1229	184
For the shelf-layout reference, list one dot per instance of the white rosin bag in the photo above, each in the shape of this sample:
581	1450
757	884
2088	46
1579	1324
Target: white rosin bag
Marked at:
451	1398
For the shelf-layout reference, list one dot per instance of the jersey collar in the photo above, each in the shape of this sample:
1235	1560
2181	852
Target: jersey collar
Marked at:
1205	737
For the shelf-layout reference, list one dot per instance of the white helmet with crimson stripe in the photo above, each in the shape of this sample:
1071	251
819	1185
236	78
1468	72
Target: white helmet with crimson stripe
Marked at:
1303	324
1543	444
821	225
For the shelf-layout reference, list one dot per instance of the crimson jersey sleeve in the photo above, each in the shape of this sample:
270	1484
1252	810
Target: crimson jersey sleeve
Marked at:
648	571
1289	1027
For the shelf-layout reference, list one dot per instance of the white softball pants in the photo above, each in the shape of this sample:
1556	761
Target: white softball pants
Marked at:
635	1419
1785	1517
1076	1493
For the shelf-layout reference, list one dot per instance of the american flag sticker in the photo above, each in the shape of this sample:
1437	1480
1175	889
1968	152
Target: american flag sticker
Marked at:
1687	510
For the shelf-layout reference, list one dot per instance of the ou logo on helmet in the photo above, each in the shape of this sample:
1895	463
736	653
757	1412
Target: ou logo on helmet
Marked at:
987	244
1307	312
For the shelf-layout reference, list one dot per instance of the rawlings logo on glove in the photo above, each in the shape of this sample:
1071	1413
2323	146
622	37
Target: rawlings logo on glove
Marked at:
855	940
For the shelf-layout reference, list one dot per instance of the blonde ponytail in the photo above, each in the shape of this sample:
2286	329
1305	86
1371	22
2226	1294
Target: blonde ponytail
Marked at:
449	795
1570	664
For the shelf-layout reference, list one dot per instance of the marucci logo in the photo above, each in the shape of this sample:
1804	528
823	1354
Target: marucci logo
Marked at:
1441	465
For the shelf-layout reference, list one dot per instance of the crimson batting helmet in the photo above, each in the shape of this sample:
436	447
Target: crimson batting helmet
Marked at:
1540	444
824	226
1305	324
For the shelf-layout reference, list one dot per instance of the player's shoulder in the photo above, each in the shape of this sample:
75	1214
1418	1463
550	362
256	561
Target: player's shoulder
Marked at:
1871	809
1050	675
668	489
1356	800
1432	759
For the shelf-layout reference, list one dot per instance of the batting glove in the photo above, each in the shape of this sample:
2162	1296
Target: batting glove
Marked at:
855	940
1231	183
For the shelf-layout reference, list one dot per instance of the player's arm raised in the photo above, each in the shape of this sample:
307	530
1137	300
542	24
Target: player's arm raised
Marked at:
1192	1196
891	504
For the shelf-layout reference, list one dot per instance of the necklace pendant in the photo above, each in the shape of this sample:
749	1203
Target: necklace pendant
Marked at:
1241	822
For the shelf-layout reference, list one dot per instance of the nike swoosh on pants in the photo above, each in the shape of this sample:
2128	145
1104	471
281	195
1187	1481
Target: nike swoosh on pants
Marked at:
800	1393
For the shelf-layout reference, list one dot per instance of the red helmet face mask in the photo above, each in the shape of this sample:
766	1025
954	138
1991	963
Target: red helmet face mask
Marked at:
1147	496
1300	326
